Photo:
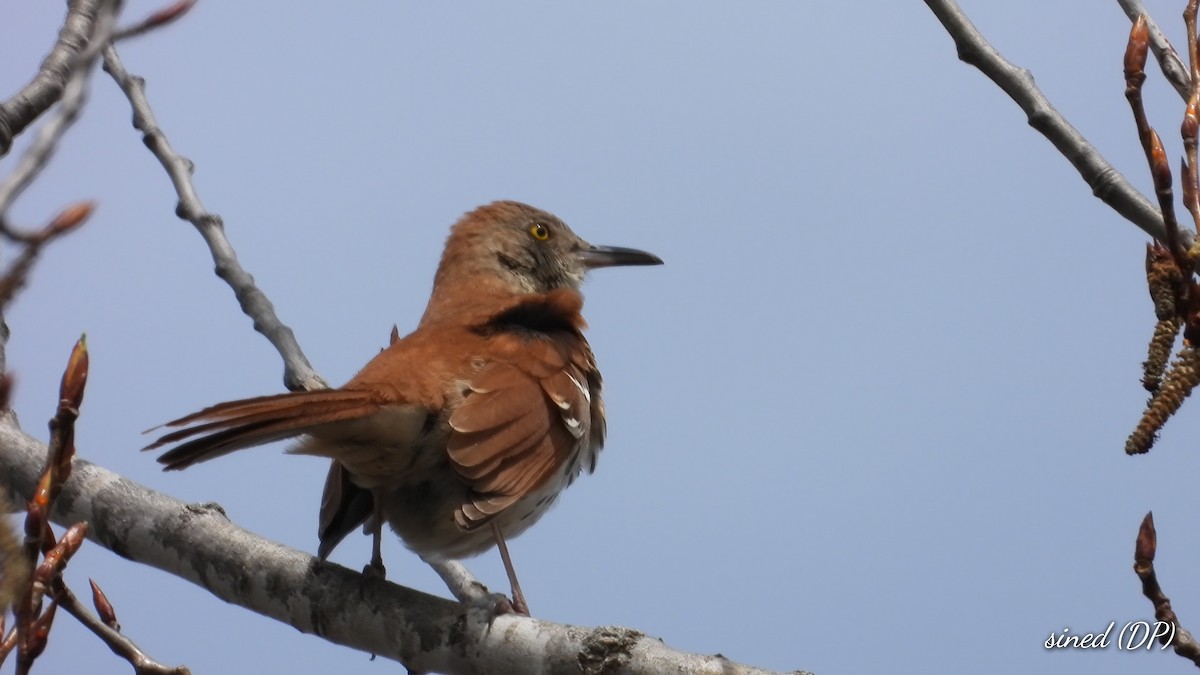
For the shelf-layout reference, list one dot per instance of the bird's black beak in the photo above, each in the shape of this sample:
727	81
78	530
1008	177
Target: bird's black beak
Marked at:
614	256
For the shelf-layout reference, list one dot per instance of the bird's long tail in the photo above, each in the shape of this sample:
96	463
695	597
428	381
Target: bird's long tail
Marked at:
234	425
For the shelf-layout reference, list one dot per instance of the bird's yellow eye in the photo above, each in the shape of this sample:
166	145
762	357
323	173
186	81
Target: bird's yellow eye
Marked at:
539	232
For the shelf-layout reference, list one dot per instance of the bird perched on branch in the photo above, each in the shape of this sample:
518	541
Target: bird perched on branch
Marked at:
463	433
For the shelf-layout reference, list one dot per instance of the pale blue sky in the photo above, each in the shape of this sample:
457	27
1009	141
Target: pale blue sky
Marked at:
869	415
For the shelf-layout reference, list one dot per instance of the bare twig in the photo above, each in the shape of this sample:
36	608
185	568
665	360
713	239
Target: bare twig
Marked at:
118	643
77	44
1172	67
8	644
158	19
35	158
1105	181
1179	639
1189	21
17	274
462	584
298	374
1156	155
75	68
57	68
1189	129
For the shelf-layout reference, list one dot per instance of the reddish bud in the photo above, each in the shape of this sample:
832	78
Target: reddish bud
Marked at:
169	13
1147	540
104	608
74	378
70	218
1139	43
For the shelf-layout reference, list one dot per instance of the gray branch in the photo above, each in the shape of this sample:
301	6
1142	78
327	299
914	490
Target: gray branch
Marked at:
298	373
75	71
1106	182
425	633
45	144
48	85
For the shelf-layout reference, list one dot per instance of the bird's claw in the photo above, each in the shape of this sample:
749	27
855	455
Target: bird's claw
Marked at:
374	570
503	605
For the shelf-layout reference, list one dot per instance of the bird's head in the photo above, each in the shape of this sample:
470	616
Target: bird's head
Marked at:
524	250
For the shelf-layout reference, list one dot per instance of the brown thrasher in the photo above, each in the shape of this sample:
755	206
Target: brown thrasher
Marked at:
463	433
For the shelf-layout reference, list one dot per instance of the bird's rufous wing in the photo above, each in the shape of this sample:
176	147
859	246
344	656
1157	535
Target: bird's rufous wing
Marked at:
521	425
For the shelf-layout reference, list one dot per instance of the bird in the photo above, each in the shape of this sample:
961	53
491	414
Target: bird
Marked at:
463	433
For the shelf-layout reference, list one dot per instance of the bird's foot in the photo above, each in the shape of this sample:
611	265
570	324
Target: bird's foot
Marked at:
502	605
496	604
375	570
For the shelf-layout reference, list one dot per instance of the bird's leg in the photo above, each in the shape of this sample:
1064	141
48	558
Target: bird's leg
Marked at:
375	568
518	598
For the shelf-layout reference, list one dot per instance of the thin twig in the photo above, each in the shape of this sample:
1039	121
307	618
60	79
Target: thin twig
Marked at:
462	584
1179	639
1172	67
76	43
48	85
17	274
118	643
1105	181
1189	130
74	95
298	373
157	19
1156	155
8	644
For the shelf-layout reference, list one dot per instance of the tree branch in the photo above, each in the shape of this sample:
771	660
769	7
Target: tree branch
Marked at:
298	373
425	633
73	93
48	85
1106	182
